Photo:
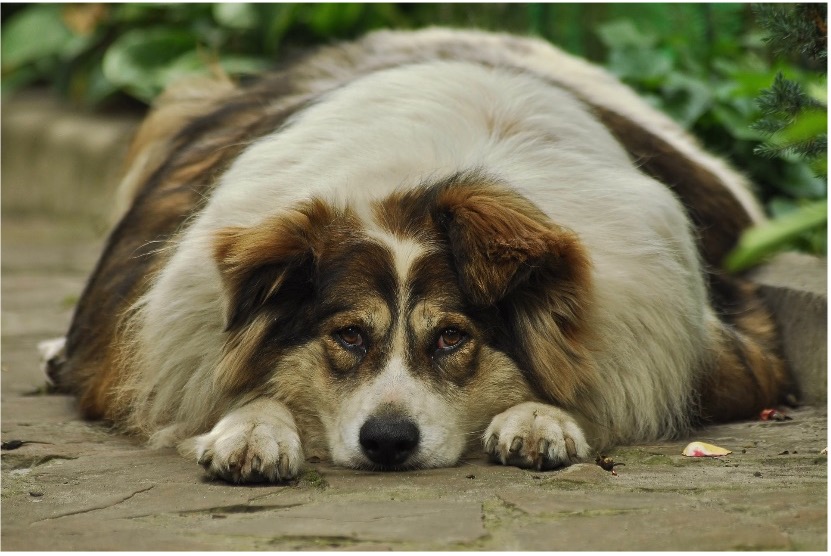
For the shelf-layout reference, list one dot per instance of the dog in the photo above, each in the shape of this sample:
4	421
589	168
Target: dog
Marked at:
399	251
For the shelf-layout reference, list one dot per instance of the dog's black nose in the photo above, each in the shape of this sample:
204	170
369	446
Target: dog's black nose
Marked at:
388	441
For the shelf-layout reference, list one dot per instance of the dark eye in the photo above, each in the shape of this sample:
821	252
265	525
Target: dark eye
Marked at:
449	338
351	337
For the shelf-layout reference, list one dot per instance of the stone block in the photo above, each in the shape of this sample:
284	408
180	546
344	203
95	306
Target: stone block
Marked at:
58	161
795	287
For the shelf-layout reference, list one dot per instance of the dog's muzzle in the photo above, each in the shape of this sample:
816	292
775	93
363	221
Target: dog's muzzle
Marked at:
388	440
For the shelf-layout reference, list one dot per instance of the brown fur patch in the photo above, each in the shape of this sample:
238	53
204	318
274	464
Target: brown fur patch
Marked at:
269	273
172	191
510	258
749	374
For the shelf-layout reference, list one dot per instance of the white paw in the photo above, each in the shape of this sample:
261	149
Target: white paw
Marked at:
52	356
535	435
256	443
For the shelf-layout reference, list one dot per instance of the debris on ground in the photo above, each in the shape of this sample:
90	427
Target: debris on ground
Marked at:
608	464
704	450
774	415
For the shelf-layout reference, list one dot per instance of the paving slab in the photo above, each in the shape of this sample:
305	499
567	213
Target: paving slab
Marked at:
79	486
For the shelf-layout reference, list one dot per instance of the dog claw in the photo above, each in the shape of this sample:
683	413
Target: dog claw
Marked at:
516	445
571	448
283	467
205	459
490	445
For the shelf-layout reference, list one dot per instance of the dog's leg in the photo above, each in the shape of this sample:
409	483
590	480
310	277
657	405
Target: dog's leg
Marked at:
535	435
257	442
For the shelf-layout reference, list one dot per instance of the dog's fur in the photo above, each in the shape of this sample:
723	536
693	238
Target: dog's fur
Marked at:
398	250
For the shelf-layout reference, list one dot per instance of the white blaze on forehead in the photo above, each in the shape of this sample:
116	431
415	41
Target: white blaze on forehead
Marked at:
404	251
404	254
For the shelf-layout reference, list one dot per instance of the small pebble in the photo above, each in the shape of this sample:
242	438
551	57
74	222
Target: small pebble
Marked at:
470	476
757	474
35	494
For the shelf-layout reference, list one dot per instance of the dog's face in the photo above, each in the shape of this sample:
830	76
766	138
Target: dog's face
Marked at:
394	335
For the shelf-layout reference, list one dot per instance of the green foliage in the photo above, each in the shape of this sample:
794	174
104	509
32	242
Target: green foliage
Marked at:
714	95
93	53
794	123
796	29
758	243
703	64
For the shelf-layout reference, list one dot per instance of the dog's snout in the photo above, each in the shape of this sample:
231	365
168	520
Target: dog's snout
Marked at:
388	441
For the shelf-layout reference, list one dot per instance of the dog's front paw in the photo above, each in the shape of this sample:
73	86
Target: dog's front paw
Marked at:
535	435
254	444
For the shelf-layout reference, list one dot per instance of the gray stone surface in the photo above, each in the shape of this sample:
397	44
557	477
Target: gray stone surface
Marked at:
78	486
61	161
795	287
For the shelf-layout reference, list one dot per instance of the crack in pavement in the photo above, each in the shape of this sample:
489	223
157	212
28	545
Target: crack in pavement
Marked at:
95	508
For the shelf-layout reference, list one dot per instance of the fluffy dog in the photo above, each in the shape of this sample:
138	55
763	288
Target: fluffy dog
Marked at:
411	247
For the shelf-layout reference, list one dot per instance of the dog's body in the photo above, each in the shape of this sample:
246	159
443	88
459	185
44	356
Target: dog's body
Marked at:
404	247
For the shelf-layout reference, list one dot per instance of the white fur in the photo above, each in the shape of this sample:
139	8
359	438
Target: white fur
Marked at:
440	443
51	350
398	128
256	441
535	434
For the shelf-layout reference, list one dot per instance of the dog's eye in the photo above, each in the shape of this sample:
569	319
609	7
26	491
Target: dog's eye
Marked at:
351	337
449	338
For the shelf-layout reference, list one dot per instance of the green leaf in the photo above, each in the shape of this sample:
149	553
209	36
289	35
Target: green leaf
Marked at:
330	19
240	65
760	242
142	61
32	34
622	33
806	126
280	18
195	62
236	15
20	79
688	97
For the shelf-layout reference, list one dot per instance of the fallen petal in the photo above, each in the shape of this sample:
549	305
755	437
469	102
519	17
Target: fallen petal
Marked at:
702	450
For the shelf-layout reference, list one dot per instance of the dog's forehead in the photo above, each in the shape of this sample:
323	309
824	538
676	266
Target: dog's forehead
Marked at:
356	267
385	264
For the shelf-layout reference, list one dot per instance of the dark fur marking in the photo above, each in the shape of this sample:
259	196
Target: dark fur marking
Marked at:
131	254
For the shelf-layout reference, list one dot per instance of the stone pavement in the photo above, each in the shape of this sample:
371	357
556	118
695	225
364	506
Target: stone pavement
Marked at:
76	486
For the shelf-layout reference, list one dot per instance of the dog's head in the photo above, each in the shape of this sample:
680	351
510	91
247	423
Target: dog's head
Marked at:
398	330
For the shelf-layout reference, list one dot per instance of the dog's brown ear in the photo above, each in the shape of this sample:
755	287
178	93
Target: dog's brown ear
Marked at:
510	255
268	279
276	256
501	241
